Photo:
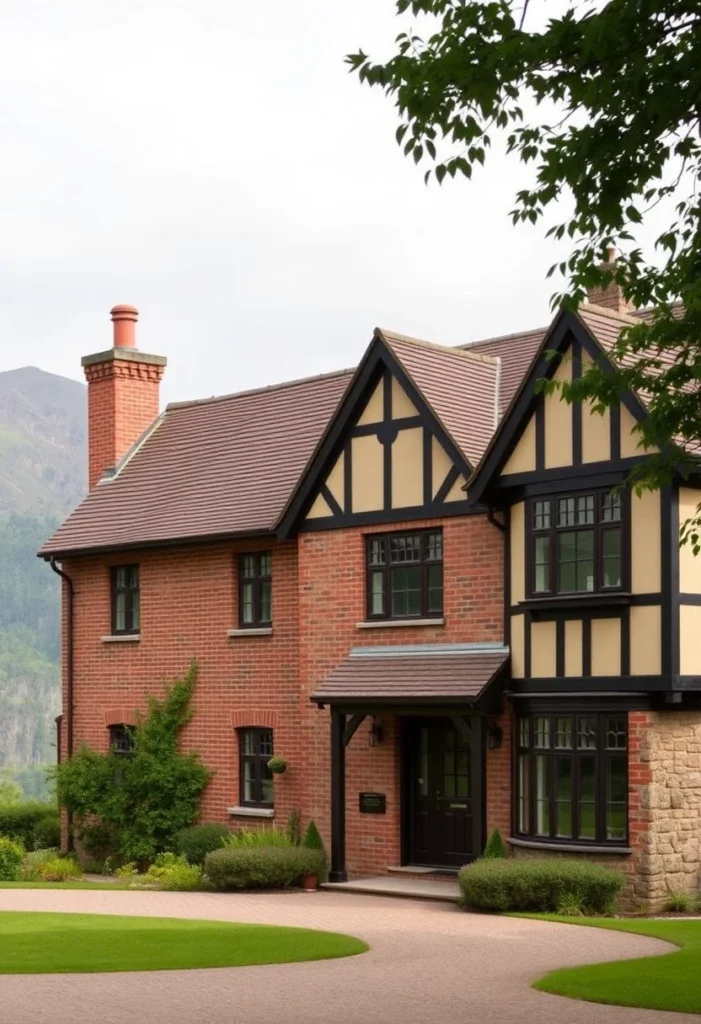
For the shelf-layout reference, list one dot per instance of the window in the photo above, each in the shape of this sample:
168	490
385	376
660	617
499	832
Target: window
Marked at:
125	599
572	777
121	740
255	590
405	575
255	778
576	543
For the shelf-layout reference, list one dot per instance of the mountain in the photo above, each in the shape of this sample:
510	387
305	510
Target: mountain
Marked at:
43	443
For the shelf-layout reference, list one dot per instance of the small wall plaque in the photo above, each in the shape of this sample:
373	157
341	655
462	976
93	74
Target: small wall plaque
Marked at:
372	803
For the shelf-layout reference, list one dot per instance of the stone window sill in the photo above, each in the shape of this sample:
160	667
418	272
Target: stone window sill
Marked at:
121	638
251	812
535	844
236	634
399	623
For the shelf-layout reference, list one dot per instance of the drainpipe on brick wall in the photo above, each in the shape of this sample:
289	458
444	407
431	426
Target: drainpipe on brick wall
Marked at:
494	521
69	679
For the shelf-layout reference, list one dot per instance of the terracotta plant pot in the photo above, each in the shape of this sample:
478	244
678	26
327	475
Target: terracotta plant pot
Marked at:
309	882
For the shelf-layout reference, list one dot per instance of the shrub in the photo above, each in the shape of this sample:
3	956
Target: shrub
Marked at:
268	835
271	867
20	821
312	837
495	848
570	905
196	842
680	903
294	827
11	857
129	870
60	869
33	862
538	885
47	832
174	873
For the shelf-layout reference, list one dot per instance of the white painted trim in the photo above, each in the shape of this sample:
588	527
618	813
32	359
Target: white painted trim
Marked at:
251	812
258	631
533	844
121	638
399	623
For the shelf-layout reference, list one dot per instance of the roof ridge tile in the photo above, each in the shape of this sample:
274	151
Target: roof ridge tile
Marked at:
264	389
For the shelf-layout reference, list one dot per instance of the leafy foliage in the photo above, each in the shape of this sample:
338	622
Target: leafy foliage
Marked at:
196	842
261	867
29	823
33	862
294	827
266	835
601	103
150	796
539	885
680	903
175	874
495	848
11	857
60	869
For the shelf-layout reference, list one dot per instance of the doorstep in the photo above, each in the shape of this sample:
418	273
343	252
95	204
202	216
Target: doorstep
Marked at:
421	871
407	888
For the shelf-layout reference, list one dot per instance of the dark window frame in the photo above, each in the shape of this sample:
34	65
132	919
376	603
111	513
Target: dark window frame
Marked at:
260	766
132	623
121	739
601	757
256	581
598	528
386	569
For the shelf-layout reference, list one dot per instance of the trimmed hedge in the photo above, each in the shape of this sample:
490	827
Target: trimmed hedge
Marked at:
31	823
11	857
196	842
261	867
539	885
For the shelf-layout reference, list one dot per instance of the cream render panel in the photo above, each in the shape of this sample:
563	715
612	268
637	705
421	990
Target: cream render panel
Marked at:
407	468
401	403
522	458
645	542
543	650
573	647
689	563
606	647
518	646
596	428
367	474
645	641
558	420
518	552
441	464
457	491
630	437
334	481
319	509
374	411
689	646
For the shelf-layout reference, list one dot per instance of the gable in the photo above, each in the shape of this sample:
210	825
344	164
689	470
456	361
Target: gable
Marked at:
390	462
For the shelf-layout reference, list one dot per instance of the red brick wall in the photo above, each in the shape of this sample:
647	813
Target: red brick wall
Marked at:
331	603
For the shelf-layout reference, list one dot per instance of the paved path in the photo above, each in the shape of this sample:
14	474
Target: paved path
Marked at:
430	963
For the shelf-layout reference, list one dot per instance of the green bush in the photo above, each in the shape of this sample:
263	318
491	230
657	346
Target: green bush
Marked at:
20	822
174	873
294	827
680	903
312	837
196	842
538	885
495	848
47	832
60	869
268	835
271	867
33	862
11	857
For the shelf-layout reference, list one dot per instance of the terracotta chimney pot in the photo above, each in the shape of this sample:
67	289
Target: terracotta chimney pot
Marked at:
124	319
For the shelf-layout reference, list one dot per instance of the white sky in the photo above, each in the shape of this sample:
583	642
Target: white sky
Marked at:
213	163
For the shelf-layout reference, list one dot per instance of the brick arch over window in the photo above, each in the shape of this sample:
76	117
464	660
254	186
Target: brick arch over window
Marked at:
254	718
120	716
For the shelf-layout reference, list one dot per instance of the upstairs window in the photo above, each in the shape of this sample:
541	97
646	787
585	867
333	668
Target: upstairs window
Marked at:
121	740
405	575
255	590
255	778
576	543
125	599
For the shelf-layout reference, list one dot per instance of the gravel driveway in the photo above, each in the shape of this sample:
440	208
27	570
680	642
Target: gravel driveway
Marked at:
429	962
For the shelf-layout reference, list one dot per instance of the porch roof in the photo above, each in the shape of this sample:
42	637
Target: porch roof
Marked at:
425	673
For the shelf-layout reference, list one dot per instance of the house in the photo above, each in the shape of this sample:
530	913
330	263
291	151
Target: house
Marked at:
420	582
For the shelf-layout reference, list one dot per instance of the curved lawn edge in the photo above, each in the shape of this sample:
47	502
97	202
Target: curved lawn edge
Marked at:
666	981
36	942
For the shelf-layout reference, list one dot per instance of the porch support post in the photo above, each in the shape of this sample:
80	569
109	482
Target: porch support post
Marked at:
338	797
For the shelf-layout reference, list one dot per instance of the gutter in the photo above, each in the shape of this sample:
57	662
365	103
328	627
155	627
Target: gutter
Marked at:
69	677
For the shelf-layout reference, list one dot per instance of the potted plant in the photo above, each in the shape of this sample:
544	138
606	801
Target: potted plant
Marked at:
312	841
277	765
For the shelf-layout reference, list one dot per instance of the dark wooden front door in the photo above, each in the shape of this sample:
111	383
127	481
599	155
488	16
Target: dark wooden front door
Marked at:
440	792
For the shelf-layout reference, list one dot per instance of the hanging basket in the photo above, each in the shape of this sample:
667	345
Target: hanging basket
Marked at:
277	765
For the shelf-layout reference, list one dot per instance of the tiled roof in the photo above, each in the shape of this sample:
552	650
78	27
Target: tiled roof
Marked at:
516	353
216	467
459	386
426	672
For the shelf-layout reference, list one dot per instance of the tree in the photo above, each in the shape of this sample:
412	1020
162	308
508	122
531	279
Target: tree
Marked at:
624	80
147	797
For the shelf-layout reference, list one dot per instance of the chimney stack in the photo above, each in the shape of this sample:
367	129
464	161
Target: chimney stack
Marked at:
611	296
123	386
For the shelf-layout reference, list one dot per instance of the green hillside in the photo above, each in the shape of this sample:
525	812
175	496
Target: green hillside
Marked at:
42	476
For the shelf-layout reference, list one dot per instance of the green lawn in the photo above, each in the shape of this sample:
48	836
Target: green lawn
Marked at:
671	982
76	884
37	943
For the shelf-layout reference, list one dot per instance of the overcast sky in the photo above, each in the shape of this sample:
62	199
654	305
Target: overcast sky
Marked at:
213	163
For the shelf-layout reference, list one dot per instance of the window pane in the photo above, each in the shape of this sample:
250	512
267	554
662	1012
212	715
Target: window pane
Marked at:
247	603
249	742
405	549
377	552
434	547
265	601
135	610
524	775
541	515
585	509
265	743
611	543
566	512
587	798
576	561
611	507
542	564
563	797
121	576
616	733
406	591
248	566
616	798
586	733
541	732
377	583
266	565
523	732
249	782
563	733
435	588
267	788
120	619
542	795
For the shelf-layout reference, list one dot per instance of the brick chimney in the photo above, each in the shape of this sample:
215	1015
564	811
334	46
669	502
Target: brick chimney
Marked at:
611	296
123	388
